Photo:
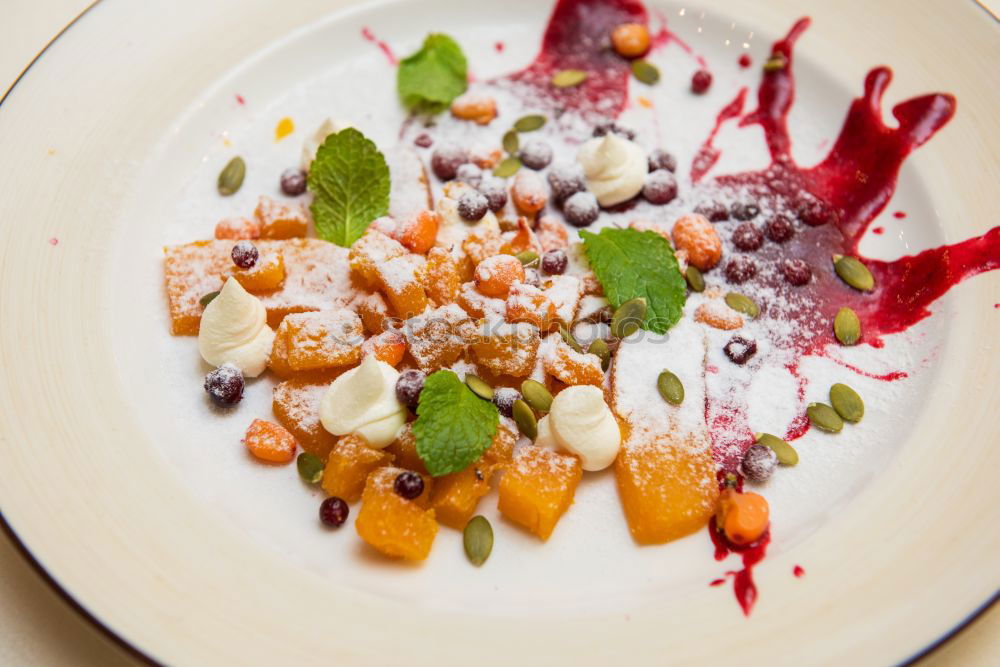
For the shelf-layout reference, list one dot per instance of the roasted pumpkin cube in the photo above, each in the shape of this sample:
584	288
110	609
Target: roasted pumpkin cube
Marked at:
440	277
404	448
388	346
419	231
569	366
538	488
506	348
501	450
235	229
481	244
281	221
565	292
527	303
296	405
374	313
399	283
391	524
190	272
456	495
321	339
265	275
479	305
349	464
438	337
369	252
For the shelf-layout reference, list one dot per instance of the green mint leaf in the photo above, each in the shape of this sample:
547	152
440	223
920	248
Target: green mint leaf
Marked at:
432	77
350	182
454	426
632	264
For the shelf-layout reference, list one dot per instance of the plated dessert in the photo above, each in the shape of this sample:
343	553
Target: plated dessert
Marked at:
476	307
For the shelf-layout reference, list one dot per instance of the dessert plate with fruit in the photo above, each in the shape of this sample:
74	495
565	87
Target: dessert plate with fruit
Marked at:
552	332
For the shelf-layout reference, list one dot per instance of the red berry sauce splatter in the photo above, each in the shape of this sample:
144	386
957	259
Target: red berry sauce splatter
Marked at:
240	100
745	60
878	231
798	571
743	584
369	36
499	46
899	215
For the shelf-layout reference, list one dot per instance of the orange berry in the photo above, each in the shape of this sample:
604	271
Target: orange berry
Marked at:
630	40
495	275
695	235
743	517
529	192
388	346
472	106
419	233
270	442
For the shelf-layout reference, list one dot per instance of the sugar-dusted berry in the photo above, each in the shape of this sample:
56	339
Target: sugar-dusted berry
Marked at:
408	387
496	274
225	385
740	269
747	237
581	209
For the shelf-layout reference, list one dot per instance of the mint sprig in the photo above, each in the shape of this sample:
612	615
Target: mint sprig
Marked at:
631	264
431	78
454	426
350	182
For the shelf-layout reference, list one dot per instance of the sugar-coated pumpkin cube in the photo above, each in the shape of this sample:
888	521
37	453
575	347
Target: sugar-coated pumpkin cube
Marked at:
322	339
569	366
391	524
527	303
440	276
270	442
404	448
374	313
538	488
438	337
190	272
501	450
349	464
520	239
401	286
296	405
481	244
456	495
265	275
281	221
565	292
235	229
506	348
370	251
388	346
479	305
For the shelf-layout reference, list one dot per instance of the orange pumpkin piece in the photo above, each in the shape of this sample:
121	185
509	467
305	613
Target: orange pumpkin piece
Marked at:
322	339
479	305
391	524
569	366
551	233
235	229
456	496
481	244
438	337
373	311
349	464
281	221
388	346
419	232
265	275
538	488
296	405
270	442
565	292
506	348
404	448
520	239
475	107
190	272
527	303
440	276
371	250
501	451
400	285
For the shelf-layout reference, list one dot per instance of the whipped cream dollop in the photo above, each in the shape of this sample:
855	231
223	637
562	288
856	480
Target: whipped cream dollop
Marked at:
316	139
581	422
615	168
363	401
234	330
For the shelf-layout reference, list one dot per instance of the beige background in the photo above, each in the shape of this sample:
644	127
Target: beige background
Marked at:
36	626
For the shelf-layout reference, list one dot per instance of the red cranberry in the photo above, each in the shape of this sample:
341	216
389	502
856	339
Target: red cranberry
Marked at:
661	159
739	350
532	278
816	213
796	271
408	387
446	160
225	385
740	269
779	229
744	210
495	192
554	262
503	398
759	463
581	209
605	128
469	173
660	187
245	254
747	237
408	485
472	205
333	512
536	155
424	140
566	179
714	211
700	81
293	182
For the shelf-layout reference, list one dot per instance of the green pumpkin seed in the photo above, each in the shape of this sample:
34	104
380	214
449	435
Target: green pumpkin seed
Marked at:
477	538
208	298
568	78
508	167
599	348
645	71
847	326
479	388
526	257
671	388
231	176
694	278
787	455
511	142
628	318
847	403
529	123
776	62
742	304
824	417
310	467
536	395
525	419
567	336
854	273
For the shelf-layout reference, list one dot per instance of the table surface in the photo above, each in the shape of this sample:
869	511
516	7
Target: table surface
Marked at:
37	626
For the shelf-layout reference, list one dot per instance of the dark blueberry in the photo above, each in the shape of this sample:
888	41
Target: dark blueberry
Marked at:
739	350
740	269
424	140
333	512
408	485
700	81
408	387
759	463
796	271
566	179
503	398
747	237
495	192
555	262
469	173
472	205
816	213
446	160
245	254
604	128
536	155
661	159
660	187
293	182
744	210
581	209
532	278
225	385
714	211
779	229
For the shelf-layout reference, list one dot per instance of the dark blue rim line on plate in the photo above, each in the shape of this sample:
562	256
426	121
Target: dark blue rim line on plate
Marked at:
137	653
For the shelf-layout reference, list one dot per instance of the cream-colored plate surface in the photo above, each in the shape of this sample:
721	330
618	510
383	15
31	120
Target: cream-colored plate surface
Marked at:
88	483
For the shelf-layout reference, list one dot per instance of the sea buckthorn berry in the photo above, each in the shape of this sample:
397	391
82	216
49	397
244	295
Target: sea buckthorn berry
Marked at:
696	236
470	174
630	40
495	192
446	159
536	155
528	192
796	272
614	128
743	517
565	180
408	485
661	159
744	210
475	107
779	229
740	349
701	81
747	237
740	269
581	209
293	182
472	205
333	512
555	262
503	398
660	187
225	385
236	229
419	232
408	387
494	275
713	210
270	442
245	254
424	140
759	463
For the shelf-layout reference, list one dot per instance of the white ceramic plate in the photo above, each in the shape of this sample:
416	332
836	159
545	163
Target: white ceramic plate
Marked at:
143	509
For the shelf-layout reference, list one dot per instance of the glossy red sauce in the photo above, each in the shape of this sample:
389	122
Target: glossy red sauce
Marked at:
899	215
386	50
743	584
798	571
745	60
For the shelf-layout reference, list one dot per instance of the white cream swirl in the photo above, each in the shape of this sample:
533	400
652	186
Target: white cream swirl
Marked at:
582	423
363	401
234	330
615	168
